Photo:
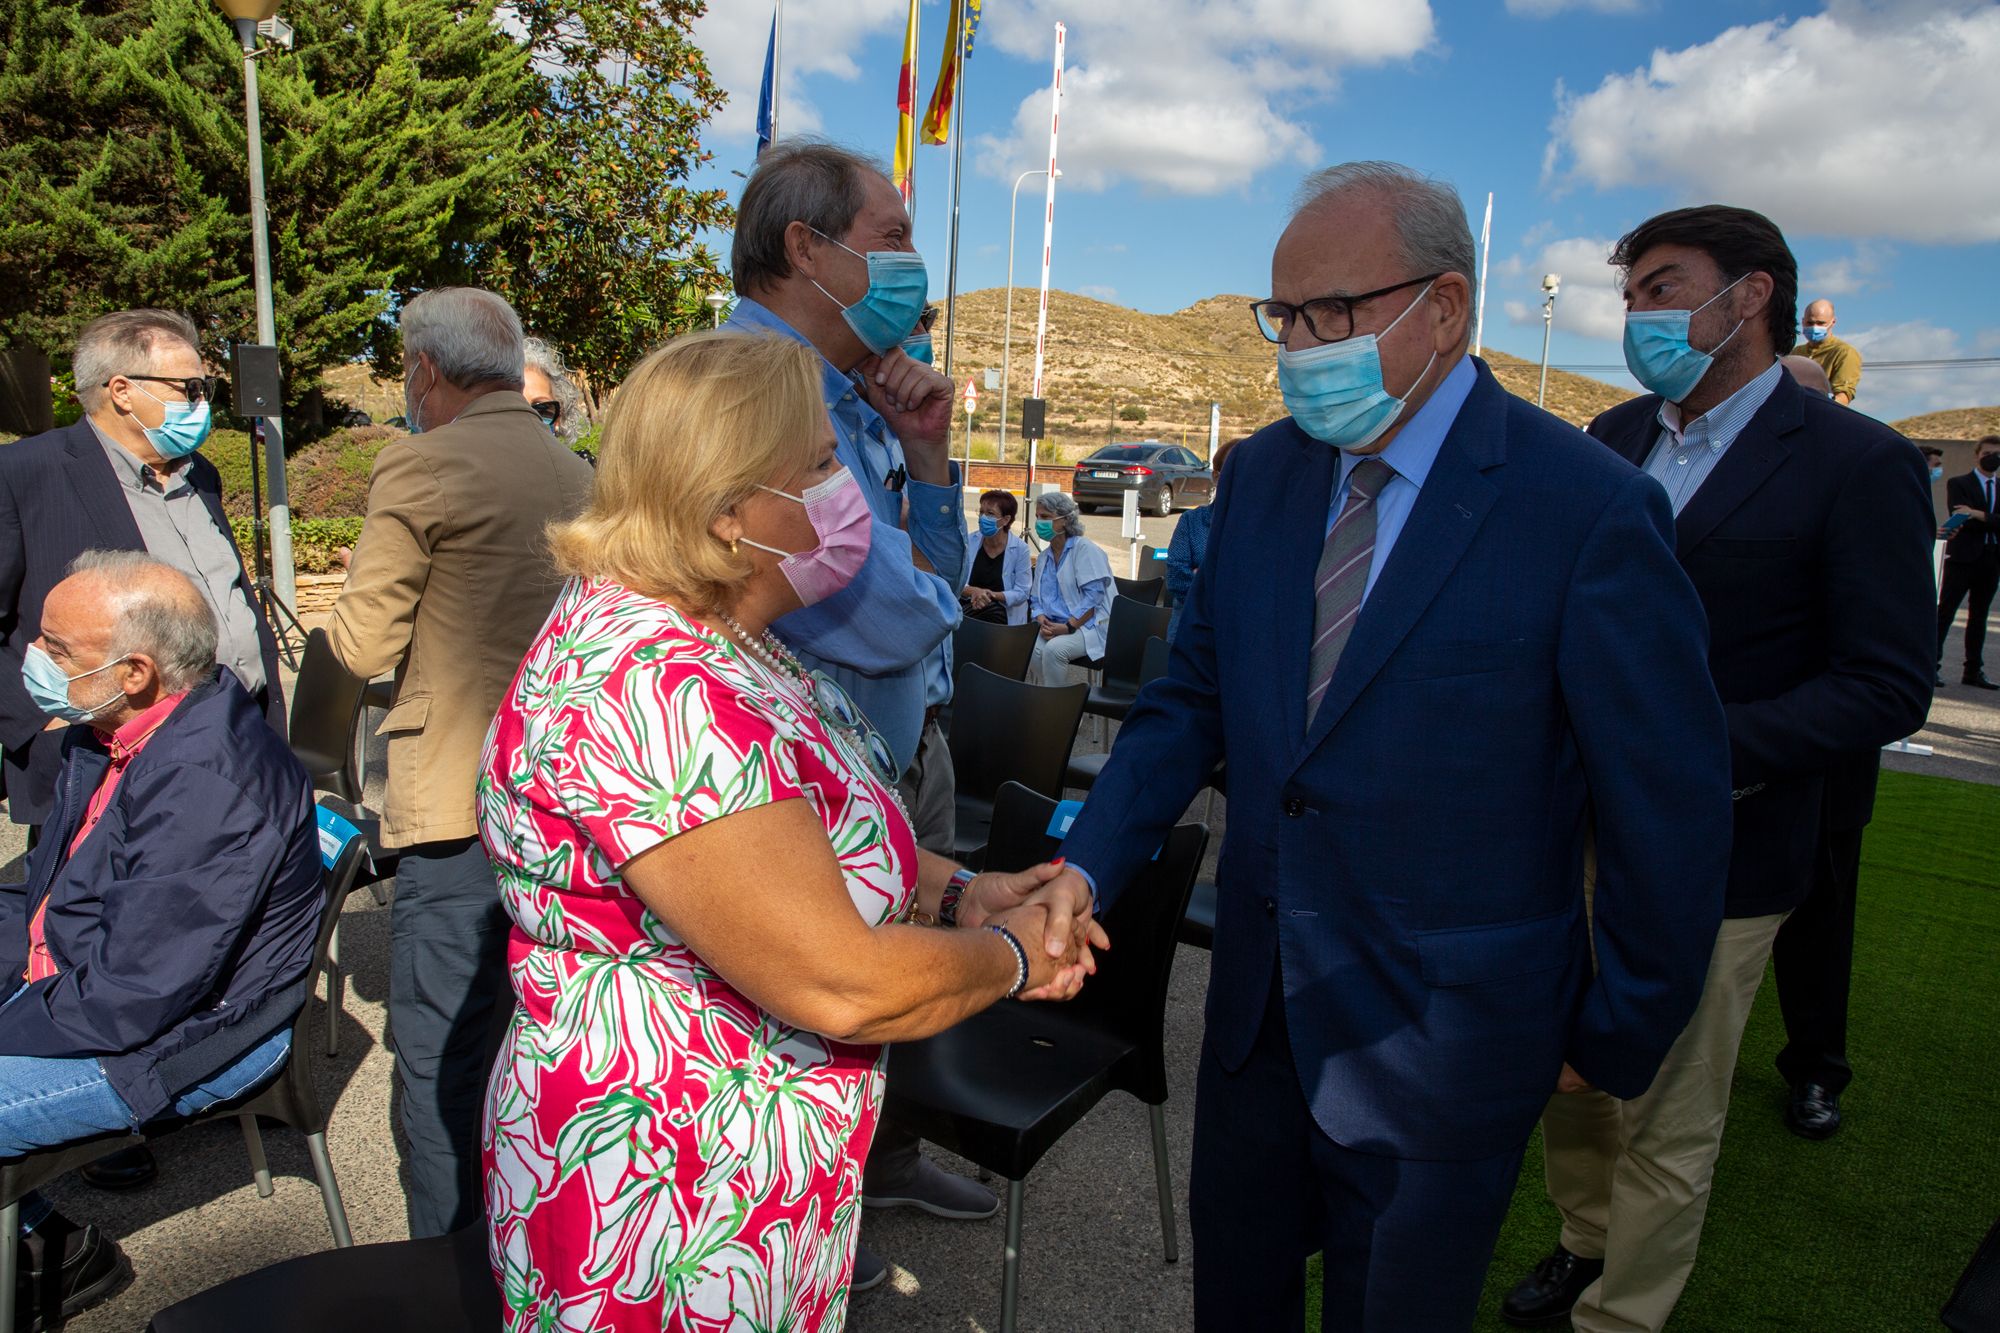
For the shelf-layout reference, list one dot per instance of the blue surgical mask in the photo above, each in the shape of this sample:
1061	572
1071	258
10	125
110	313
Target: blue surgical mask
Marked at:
1658	353
181	431
918	348
899	287
1816	334
989	526
49	687
1937	474
1335	391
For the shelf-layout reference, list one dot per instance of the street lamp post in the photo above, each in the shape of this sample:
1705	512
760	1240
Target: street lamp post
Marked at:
246	14
716	300
1007	337
1551	283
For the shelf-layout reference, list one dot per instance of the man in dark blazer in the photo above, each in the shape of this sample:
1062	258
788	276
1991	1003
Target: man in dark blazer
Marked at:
1805	528
1972	560
114	481
1438	633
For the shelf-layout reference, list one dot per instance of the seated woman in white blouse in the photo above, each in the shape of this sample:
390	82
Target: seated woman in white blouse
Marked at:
1073	592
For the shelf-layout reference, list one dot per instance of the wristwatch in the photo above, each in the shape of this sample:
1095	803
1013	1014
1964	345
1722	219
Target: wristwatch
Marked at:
954	889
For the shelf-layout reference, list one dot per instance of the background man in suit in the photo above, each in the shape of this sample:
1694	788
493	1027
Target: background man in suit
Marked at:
1805	529
124	478
1972	560
448	584
1434	625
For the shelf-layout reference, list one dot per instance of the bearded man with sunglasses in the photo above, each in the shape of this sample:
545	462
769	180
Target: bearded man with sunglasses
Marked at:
126	477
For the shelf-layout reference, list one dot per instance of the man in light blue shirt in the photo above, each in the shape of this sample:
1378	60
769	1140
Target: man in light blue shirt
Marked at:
808	220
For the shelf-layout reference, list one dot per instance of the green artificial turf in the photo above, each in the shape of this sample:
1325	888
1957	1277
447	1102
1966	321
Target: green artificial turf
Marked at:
1870	1229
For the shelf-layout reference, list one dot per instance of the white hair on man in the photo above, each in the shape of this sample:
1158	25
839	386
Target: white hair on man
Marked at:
471	335
156	611
1429	219
126	342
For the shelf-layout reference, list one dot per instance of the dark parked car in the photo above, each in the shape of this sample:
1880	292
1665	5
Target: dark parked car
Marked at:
1165	475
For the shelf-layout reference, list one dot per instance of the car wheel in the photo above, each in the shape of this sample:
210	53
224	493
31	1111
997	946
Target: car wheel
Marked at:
1165	505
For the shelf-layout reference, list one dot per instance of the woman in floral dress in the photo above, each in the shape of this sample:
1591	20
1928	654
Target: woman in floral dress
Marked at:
713	886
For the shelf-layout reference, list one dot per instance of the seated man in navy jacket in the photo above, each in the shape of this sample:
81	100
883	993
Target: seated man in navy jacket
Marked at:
154	960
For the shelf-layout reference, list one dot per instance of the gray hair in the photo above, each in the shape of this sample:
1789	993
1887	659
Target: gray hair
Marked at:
155	610
125	342
1062	510
538	353
470	334
1431	230
801	180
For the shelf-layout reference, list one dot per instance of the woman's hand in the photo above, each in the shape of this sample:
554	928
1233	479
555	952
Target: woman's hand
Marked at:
1051	977
1069	935
981	598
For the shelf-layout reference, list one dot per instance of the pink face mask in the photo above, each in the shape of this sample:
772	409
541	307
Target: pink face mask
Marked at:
845	526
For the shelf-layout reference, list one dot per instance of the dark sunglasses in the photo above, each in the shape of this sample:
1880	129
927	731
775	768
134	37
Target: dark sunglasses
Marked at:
198	388
548	409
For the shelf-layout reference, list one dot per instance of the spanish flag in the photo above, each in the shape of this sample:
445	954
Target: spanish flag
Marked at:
906	112
965	21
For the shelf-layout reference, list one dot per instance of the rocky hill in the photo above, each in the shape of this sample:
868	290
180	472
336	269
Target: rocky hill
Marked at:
1964	423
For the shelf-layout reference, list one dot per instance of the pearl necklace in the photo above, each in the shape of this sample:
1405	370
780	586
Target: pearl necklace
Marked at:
771	651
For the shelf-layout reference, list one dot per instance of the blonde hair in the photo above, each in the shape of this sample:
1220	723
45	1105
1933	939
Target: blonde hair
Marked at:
692	432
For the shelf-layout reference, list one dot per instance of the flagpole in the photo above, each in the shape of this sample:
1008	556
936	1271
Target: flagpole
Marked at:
1048	241
957	170
777	65
1485	252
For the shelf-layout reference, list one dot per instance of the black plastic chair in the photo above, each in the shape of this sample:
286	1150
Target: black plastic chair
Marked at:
1151	591
440	1284
1004	1086
291	1097
1005	650
1006	731
1132	623
1084	769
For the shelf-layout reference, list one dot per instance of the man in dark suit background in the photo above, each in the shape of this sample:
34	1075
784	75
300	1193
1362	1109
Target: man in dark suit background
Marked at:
1806	529
123	478
1434	626
1972	560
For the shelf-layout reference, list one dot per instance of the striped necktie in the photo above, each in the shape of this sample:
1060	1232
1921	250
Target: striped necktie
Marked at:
1343	577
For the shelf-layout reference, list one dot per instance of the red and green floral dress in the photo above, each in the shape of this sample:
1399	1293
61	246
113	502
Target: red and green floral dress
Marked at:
660	1152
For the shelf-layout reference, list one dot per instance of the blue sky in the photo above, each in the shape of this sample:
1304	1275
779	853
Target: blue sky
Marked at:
1863	127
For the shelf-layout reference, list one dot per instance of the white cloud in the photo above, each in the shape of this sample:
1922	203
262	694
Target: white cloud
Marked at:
1589	303
1097	293
1541	9
1891	393
1866	121
817	39
1843	275
1188	96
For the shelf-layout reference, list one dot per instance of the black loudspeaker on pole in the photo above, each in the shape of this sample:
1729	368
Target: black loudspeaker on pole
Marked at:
254	392
1034	418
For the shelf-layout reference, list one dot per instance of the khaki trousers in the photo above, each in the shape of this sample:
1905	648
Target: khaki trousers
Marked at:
1632	1177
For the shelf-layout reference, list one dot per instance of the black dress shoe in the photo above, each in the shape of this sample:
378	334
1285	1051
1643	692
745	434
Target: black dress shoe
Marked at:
1977	680
1941	682
90	1269
1546	1296
126	1169
1814	1111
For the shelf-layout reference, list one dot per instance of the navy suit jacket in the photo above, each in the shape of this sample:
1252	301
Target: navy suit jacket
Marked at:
1969	542
59	497
1531	662
1811	546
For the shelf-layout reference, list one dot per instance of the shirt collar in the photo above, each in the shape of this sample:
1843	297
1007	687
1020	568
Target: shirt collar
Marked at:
1717	428
837	386
129	739
1415	448
132	474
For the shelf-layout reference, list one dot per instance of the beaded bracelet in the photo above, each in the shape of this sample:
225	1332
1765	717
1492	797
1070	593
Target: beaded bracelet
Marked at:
1020	957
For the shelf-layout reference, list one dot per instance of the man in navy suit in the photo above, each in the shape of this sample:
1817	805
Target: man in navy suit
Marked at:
124	478
1806	529
1438	635
1972	560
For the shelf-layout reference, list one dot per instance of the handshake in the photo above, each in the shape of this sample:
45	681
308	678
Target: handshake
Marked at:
1048	909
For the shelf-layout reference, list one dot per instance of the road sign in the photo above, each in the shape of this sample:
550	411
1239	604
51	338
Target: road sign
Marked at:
971	395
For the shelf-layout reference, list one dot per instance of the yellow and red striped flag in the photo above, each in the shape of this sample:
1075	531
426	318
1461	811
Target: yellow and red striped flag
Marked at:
937	120
906	112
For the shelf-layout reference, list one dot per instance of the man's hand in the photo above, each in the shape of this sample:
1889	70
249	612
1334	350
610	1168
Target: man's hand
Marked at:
916	402
345	555
1055	886
56	724
1571	1081
1977	515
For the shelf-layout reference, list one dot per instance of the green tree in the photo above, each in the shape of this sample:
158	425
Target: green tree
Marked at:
600	252
392	141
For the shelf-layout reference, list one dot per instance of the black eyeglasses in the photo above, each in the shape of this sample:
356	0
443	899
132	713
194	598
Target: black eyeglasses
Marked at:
198	388
548	409
1330	319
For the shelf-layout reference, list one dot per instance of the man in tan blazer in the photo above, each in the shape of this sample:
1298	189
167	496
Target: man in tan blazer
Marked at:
447	585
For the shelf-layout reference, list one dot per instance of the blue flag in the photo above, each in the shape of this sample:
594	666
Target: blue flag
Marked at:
767	96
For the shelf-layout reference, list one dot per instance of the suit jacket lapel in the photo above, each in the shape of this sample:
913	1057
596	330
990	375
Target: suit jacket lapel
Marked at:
1637	440
1449	510
97	487
1301	535
1754	455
